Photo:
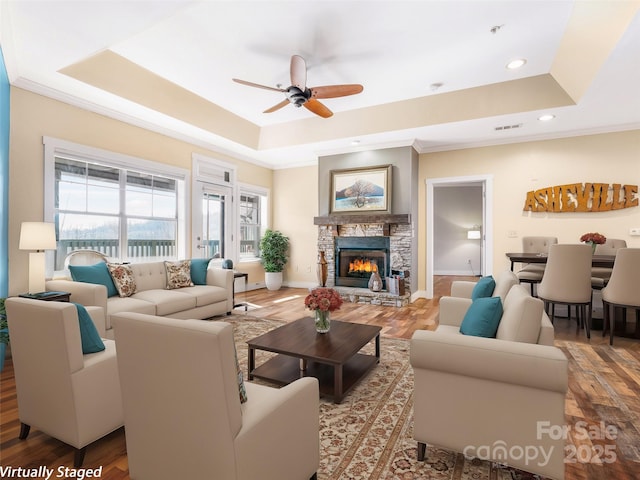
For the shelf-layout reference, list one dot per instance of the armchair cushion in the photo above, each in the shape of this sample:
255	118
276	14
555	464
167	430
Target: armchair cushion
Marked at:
482	317
91	341
484	288
199	270
98	273
522	317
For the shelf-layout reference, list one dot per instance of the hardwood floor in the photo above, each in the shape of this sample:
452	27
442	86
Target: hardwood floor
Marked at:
604	387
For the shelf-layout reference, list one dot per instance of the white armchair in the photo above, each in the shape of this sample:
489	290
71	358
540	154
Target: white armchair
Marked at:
477	395
65	394
183	416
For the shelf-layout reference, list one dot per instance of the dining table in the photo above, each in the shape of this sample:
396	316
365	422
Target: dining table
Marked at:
605	261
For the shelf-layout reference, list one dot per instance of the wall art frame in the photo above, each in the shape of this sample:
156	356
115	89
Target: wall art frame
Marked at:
363	190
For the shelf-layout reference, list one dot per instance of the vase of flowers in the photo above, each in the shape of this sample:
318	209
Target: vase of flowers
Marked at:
594	239
323	301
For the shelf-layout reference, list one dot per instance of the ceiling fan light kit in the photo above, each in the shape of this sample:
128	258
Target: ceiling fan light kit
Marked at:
299	95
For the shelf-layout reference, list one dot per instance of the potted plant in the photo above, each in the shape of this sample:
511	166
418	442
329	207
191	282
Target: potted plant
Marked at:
4	332
274	248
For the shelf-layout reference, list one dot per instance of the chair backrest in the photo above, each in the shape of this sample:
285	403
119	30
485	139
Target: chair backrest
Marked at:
623	287
537	244
84	257
567	276
46	350
610	247
180	396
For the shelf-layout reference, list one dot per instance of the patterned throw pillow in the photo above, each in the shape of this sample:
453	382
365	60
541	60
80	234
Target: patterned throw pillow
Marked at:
178	274
123	279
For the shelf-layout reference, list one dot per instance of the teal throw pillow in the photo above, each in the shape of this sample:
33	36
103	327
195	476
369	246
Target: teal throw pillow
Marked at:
199	270
91	341
98	273
484	288
482	317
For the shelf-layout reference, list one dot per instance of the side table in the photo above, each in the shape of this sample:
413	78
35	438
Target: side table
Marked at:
246	279
48	296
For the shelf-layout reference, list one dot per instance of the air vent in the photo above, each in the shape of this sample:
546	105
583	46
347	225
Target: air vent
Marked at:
508	127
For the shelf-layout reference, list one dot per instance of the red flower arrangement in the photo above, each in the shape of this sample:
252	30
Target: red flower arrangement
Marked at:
324	299
595	237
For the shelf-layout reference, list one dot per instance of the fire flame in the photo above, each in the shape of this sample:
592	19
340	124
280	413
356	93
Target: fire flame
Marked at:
360	265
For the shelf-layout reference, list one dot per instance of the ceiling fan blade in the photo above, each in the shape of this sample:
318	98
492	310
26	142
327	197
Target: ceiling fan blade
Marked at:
257	85
333	91
283	103
318	108
298	72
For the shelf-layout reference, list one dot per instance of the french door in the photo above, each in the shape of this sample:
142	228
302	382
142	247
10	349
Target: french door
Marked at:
212	221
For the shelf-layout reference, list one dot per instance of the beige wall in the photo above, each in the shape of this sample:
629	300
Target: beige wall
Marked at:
295	203
34	116
517	169
522	167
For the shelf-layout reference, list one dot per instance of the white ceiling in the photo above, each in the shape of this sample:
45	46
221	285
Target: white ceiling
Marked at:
396	49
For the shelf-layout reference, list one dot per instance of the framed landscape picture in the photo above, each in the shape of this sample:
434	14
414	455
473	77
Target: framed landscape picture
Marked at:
365	189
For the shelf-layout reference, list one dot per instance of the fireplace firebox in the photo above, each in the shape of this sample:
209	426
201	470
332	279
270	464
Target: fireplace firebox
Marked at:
356	258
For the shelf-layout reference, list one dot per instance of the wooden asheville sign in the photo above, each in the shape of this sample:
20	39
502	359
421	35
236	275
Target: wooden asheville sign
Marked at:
582	197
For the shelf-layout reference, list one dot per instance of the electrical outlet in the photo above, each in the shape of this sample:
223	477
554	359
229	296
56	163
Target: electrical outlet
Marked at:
512	234
634	231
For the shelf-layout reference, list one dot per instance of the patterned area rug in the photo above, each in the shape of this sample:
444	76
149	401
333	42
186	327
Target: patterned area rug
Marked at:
369	435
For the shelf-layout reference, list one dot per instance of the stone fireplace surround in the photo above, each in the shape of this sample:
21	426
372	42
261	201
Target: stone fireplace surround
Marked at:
395	226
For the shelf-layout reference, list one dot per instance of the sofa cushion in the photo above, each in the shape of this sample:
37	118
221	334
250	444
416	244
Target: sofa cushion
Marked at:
91	341
206	294
199	270
98	273
178	274
484	288
128	304
522	317
167	301
482	317
122	278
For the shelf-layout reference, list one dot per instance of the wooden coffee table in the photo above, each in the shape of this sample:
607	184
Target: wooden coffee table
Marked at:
331	357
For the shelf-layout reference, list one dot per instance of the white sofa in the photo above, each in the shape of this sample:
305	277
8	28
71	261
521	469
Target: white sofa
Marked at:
152	296
492	397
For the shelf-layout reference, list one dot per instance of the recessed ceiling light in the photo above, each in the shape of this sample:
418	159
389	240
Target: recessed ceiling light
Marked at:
513	64
546	117
355	142
436	86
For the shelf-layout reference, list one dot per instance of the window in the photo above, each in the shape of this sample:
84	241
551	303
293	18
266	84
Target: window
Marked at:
252	223
129	209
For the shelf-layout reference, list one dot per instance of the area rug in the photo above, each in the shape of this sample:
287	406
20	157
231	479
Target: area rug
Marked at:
369	435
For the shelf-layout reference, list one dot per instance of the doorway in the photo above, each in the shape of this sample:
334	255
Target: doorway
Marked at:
211	221
486	226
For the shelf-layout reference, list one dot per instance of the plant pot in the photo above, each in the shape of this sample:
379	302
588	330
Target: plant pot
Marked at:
273	280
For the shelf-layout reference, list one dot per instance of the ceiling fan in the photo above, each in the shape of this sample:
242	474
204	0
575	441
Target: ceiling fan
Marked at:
299	95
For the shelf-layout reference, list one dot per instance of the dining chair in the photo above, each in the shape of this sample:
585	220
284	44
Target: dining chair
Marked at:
623	290
601	275
567	281
532	272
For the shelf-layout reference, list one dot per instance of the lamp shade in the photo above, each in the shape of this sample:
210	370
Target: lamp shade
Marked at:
37	236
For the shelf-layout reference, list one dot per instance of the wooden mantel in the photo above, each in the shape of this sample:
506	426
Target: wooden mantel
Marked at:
386	219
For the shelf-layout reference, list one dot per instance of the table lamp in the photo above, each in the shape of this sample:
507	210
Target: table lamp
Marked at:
38	236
